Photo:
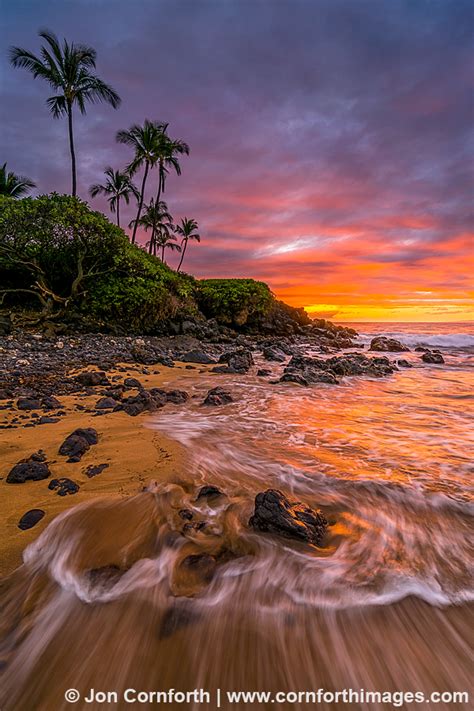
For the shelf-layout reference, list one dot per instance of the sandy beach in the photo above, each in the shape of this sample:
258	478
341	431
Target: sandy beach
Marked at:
135	455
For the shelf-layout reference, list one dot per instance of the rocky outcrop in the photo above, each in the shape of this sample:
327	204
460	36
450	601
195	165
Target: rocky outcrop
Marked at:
274	513
305	370
390	345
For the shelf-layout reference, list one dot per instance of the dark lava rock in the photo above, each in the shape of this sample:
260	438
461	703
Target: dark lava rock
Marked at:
32	469
382	343
106	403
432	357
77	443
217	396
30	519
185	514
176	397
5	394
263	372
145	400
63	486
92	378
47	420
274	513
95	469
239	361
132	383
307	379
421	349
28	403
402	363
196	356
306	371
274	354
50	403
209	492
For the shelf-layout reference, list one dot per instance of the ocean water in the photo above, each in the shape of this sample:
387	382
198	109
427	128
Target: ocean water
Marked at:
383	603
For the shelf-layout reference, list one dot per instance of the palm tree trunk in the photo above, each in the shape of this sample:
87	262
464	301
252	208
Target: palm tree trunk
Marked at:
163	254
182	254
118	212
158	194
140	204
71	148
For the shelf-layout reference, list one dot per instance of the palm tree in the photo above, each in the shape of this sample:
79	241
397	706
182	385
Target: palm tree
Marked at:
67	69
157	218
168	150
118	185
166	240
187	231
144	141
12	185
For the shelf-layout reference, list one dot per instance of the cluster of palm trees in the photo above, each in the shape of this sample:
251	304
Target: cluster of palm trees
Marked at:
69	70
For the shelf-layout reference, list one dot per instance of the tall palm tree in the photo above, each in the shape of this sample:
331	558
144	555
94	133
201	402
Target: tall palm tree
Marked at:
12	185
168	150
118	185
67	69
186	229
157	219
144	141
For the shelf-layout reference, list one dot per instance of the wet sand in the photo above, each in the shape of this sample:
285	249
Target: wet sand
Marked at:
135	455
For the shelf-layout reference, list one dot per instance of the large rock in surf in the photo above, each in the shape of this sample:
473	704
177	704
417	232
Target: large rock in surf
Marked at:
217	396
391	345
274	513
432	357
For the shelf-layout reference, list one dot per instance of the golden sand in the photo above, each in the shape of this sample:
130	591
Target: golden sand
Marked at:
135	455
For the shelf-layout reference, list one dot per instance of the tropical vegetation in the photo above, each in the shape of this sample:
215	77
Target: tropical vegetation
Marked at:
60	261
63	263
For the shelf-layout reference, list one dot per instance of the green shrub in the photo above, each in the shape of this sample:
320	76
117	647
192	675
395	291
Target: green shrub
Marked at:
60	257
233	301
141	292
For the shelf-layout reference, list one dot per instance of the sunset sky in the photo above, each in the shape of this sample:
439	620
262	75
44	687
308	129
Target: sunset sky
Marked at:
331	140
